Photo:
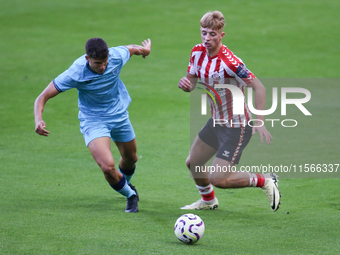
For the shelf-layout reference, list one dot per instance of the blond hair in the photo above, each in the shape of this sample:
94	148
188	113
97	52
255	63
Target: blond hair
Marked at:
213	20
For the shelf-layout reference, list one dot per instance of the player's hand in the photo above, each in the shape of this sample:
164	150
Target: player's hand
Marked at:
40	128
263	132
147	48
185	84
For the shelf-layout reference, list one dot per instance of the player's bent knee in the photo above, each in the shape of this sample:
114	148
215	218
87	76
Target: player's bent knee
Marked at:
110	173
130	159
187	162
107	169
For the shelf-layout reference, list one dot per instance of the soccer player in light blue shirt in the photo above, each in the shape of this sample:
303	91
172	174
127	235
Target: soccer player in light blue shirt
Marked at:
103	103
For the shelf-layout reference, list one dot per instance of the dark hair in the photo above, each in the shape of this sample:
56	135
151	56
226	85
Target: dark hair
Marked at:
96	48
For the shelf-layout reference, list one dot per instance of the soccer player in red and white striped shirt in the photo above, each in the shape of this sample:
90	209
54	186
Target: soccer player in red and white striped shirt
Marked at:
213	63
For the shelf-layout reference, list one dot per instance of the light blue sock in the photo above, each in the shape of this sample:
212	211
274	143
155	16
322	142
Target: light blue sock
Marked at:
122	187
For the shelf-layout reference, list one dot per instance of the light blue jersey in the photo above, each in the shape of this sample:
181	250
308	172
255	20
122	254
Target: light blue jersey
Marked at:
101	96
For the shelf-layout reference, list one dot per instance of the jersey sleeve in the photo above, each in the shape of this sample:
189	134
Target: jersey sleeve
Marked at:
123	53
191	66
242	73
64	81
236	68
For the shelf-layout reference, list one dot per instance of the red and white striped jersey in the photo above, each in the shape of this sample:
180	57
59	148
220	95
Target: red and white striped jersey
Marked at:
224	68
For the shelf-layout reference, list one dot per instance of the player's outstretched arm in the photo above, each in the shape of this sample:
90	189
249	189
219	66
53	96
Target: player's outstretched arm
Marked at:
188	83
260	101
39	105
140	50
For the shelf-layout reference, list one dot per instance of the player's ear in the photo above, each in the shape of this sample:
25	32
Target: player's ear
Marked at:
222	34
87	58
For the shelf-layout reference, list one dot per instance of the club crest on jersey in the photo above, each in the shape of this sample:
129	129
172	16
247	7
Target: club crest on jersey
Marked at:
242	71
216	79
115	71
215	76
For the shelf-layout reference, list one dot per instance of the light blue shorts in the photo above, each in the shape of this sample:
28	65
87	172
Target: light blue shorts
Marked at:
121	131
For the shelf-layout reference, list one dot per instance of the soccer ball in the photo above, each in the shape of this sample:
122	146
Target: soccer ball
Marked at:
189	228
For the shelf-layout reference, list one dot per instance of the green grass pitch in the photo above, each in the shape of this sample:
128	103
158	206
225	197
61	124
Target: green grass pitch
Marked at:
53	197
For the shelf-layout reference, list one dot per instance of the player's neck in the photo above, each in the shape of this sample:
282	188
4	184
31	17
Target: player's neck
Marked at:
213	52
